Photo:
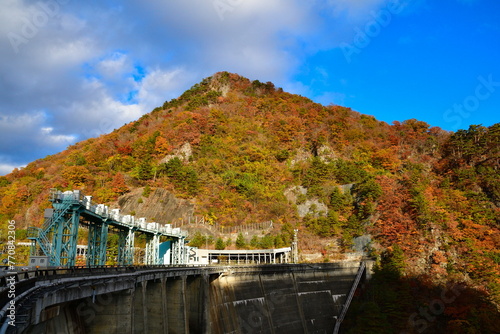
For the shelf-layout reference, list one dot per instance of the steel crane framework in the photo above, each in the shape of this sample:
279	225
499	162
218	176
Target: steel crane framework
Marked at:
58	237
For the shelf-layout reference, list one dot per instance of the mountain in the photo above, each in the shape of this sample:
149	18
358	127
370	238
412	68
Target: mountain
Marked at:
423	201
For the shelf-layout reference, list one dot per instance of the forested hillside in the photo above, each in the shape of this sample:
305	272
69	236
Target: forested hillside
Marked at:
246	152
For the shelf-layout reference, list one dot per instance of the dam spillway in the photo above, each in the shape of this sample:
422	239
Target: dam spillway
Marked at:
287	298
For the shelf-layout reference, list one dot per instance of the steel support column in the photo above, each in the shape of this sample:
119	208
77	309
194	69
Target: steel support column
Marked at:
64	239
153	250
98	238
126	247
179	251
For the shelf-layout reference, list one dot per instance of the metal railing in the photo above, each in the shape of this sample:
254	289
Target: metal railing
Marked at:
347	303
77	197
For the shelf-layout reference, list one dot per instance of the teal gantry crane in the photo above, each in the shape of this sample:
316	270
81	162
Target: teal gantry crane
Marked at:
57	238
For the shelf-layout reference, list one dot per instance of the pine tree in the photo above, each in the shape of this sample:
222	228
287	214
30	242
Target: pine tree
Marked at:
219	244
240	241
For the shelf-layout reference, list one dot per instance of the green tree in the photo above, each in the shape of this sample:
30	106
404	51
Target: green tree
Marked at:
369	190
392	263
278	241
348	172
254	242
198	240
146	191
267	242
369	319
219	244
21	234
144	171
240	241
287	233
183	177
338	200
316	174
4	181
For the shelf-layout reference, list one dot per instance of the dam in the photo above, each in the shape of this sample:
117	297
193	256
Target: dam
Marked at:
278	298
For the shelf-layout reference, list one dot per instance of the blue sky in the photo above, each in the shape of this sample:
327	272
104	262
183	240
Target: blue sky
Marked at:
71	69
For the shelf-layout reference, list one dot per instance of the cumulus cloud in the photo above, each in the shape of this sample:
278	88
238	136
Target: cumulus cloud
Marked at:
161	85
6	168
115	66
22	135
73	70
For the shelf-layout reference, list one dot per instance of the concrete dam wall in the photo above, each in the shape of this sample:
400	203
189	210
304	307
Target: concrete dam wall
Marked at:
305	301
259	299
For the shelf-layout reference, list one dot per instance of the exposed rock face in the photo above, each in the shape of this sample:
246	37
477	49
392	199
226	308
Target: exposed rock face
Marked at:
183	153
346	188
293	193
360	243
160	206
312	206
302	155
326	153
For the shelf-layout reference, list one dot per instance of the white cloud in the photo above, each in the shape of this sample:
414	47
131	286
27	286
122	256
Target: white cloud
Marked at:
161	85
53	139
72	23
21	125
67	53
95	113
21	135
76	74
115	66
6	168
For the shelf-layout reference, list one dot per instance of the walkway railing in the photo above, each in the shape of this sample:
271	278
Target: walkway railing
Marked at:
347	303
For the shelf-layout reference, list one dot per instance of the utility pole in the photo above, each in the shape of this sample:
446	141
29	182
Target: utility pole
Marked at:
295	246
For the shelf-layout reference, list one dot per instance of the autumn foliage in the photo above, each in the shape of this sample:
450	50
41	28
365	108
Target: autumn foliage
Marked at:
433	194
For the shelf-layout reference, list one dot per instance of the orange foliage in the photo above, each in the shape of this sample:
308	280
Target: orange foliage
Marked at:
439	190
